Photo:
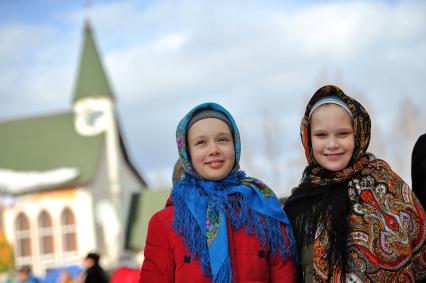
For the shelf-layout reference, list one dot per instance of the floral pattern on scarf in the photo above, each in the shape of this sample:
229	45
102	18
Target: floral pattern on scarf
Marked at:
212	224
386	224
202	208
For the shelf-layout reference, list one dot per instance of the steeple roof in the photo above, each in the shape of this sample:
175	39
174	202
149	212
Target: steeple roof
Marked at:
91	80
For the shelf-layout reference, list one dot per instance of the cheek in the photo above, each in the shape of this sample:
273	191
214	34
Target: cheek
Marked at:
194	154
351	147
231	154
315	145
232	158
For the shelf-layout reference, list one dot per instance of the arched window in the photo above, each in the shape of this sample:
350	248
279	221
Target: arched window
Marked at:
69	237
23	237
45	230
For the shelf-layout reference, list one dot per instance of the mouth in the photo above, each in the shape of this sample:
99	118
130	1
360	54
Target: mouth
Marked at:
214	163
333	156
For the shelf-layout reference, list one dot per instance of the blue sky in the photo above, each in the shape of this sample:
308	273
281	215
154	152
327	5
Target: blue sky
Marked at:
261	59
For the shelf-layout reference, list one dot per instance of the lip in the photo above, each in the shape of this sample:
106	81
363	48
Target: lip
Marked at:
333	156
214	163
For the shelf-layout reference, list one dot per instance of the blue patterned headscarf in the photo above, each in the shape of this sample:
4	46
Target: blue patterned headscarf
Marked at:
203	206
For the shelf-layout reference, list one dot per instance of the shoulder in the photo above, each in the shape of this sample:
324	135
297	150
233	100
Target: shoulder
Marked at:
164	213
385	183
163	217
380	170
419	148
257	184
421	140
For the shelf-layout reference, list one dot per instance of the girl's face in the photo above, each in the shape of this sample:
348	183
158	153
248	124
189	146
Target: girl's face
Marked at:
211	148
332	137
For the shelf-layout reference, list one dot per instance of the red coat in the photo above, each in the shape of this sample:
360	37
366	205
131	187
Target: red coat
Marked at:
167	259
125	275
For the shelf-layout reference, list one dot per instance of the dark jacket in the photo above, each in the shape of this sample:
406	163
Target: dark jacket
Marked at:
96	274
418	170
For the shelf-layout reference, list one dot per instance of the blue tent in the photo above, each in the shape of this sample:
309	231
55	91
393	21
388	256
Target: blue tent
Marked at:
52	276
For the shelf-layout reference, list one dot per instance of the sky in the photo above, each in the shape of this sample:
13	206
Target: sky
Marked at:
262	60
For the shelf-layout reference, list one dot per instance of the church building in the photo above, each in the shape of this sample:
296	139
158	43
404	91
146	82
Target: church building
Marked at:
69	177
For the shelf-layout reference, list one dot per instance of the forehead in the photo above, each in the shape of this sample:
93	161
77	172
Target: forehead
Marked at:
208	126
331	113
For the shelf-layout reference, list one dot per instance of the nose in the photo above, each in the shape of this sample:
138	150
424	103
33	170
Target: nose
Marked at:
214	149
332	143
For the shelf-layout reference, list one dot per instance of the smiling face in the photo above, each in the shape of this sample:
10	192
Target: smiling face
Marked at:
211	148
332	137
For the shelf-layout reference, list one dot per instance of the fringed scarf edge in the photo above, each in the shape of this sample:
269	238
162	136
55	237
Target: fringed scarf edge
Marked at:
266	229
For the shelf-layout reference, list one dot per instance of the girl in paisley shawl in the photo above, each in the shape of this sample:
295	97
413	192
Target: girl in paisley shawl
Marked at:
354	219
219	225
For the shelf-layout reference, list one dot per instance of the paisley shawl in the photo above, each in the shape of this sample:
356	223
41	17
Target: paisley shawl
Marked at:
386	225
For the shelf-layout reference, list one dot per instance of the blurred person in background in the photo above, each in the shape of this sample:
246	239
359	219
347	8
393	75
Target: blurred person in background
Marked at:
25	275
94	272
65	277
10	276
418	169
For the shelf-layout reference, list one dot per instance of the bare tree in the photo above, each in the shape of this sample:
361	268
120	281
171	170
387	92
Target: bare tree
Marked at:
273	146
247	154
409	123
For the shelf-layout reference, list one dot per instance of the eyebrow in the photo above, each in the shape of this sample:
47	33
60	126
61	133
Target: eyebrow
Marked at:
339	129
224	133
204	135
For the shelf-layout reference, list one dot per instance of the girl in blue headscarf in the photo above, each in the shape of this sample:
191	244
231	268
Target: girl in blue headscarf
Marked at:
219	225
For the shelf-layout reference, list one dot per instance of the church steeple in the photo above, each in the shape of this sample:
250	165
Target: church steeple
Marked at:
91	80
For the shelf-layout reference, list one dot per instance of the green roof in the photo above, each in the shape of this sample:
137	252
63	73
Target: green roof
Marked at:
49	142
144	205
92	80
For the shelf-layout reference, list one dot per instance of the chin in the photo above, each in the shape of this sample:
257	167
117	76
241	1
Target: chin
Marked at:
335	169
332	167
216	177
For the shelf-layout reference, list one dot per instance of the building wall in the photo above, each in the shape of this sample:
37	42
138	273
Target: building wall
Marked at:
78	200
131	185
106	219
111	209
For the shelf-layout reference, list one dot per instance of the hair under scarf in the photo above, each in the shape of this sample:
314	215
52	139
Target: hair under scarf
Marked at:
202	208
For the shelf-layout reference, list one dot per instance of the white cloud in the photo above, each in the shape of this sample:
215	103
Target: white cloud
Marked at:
163	58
